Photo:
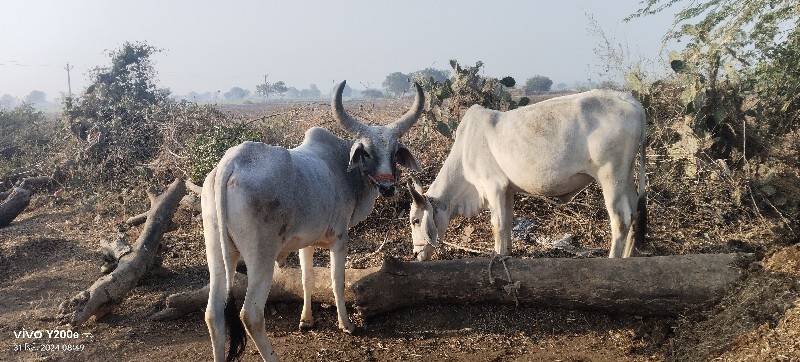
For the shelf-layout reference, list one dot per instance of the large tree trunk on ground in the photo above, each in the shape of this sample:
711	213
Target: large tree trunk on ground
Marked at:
111	289
654	286
12	204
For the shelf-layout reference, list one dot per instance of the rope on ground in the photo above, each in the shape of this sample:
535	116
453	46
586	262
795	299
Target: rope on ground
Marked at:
511	287
467	249
378	250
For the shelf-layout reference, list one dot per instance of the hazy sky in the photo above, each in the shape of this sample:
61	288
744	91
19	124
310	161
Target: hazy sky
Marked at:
217	45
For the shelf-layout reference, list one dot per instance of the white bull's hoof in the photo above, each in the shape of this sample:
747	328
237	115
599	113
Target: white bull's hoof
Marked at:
306	325
347	327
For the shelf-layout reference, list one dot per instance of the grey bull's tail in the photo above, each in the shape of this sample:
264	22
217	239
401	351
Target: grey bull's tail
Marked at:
641	218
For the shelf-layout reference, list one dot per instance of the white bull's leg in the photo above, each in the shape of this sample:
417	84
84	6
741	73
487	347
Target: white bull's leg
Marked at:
338	256
619	210
217	293
633	198
215	319
307	269
501	206
259	281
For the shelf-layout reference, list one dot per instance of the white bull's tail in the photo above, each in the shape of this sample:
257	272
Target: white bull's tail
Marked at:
224	172
641	219
238	334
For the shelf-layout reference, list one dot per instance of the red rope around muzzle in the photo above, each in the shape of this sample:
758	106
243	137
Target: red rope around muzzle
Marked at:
379	177
384	177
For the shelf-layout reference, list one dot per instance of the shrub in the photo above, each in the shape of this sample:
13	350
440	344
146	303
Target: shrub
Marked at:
206	149
26	138
467	88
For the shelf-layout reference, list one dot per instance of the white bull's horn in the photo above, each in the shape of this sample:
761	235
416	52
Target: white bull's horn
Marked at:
405	122
349	123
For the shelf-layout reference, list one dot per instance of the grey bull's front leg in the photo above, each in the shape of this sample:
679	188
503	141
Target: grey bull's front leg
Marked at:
338	256
307	271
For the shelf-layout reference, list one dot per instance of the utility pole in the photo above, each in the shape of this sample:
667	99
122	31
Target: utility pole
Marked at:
69	83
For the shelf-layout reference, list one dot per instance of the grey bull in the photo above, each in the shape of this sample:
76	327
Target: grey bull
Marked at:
262	202
553	148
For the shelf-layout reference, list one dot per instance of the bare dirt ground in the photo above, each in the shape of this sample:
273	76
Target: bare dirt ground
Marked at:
51	252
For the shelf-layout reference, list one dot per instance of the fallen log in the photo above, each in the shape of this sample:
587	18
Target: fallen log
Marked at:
35	183
12	204
653	286
111	289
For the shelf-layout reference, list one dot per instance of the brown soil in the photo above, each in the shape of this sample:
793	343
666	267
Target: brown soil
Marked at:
50	253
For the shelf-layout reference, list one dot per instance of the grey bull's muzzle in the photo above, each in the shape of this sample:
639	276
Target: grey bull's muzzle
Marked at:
385	184
387	188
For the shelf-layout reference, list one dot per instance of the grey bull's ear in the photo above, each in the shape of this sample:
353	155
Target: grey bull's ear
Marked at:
357	155
406	159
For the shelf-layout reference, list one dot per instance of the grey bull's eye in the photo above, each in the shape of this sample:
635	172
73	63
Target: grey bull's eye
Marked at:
415	222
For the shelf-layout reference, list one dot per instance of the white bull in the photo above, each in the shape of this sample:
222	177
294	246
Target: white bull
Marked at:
262	202
553	148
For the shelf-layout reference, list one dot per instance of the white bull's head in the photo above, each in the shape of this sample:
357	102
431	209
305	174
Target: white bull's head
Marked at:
428	222
377	150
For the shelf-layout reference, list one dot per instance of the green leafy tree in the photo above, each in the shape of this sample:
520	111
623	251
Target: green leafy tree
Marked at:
110	116
279	88
123	121
36	97
265	89
311	92
778	86
537	83
372	93
508	82
732	30
237	93
25	138
292	92
732	49
438	75
396	83
7	100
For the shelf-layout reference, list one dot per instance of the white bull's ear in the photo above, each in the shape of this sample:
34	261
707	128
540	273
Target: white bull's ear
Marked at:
406	159
416	197
357	155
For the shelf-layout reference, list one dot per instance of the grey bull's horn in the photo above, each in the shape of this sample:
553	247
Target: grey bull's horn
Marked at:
404	123
349	123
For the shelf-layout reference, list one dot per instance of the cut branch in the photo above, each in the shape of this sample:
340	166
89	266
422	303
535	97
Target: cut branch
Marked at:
191	186
13	204
189	201
660	286
111	289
